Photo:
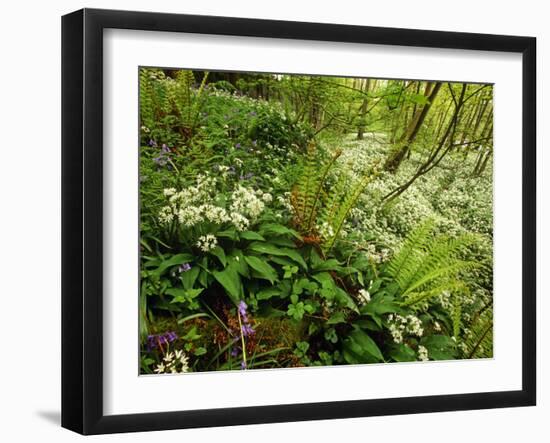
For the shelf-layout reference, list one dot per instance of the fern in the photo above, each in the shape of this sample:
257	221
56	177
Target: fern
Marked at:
315	203
426	266
340	216
146	108
185	80
305	190
479	342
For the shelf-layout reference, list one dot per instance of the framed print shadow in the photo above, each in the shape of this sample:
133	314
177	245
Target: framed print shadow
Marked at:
268	221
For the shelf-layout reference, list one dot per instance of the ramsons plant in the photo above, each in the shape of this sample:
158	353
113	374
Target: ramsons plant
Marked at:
266	239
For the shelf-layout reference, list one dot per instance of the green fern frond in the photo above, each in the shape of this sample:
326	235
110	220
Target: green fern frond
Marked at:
146	109
347	205
426	265
479	341
415	243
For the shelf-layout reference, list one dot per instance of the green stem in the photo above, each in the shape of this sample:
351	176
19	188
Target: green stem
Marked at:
242	337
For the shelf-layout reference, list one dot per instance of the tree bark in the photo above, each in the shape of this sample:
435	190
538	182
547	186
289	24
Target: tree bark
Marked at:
403	145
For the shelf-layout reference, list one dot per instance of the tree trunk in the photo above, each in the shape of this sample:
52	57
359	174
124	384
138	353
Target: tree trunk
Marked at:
403	145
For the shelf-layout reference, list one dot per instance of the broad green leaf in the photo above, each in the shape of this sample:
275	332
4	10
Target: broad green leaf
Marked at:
220	253
328	265
440	347
231	282
401	352
251	235
337	317
188	278
183	295
362	347
381	304
275	228
178	259
267	248
263	269
230	233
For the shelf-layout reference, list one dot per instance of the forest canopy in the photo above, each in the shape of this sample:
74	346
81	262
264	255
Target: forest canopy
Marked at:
301	220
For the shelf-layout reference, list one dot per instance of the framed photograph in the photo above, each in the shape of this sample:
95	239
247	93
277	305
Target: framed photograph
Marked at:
269	221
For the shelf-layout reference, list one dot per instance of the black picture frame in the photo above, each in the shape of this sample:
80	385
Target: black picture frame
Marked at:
82	218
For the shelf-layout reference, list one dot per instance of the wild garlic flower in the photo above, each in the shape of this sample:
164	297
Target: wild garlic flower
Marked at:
207	242
173	362
198	204
325	230
364	296
400	326
248	202
422	353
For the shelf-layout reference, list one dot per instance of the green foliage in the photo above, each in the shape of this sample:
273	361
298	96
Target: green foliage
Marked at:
478	342
426	267
265	239
320	210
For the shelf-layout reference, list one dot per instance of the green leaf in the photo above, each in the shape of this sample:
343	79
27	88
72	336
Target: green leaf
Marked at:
344	299
251	235
401	352
229	233
326	280
361	348
337	317
381	304
200	351
282	290
231	282
183	295
440	347
267	248
178	259
275	228
220	253
328	265
263	269
237	261
188	278
203	278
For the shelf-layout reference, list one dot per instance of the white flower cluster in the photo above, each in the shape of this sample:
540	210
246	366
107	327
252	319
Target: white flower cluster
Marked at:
364	296
445	300
401	326
284	201
173	363
197	204
207	242
325	230
422	353
248	202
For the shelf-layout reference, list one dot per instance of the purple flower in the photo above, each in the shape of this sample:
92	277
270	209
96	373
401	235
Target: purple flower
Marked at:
243	365
152	143
160	160
165	149
253	114
254	142
184	268
247	176
242	308
247	330
158	340
238	145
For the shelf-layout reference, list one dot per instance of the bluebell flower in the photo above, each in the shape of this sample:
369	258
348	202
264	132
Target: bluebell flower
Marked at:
184	268
155	341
